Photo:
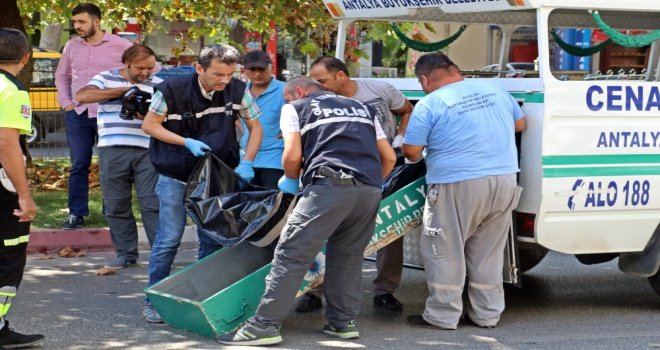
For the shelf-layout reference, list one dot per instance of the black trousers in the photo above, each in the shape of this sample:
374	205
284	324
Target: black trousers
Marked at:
13	241
267	177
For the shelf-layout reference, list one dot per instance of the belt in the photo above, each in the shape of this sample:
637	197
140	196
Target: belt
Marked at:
336	181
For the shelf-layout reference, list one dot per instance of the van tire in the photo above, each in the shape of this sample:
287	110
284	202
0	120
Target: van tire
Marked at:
530	255
655	282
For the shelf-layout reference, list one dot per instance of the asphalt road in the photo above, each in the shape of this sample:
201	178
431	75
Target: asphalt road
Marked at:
563	305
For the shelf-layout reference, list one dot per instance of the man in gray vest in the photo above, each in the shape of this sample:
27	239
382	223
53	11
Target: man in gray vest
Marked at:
189	116
344	154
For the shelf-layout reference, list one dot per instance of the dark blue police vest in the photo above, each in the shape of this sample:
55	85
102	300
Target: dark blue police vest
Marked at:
338	132
190	114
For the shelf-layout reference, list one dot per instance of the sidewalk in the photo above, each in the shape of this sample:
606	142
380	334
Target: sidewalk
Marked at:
91	239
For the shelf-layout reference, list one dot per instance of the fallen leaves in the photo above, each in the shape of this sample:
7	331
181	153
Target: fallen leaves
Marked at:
54	175
107	270
68	252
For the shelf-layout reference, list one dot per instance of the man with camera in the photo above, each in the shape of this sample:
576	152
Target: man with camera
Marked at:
123	148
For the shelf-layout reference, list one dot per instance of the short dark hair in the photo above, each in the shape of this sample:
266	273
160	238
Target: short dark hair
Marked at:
429	62
332	64
14	45
304	82
226	54
88	8
136	52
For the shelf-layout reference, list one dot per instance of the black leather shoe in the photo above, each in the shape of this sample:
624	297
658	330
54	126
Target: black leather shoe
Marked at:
308	303
419	321
387	302
11	339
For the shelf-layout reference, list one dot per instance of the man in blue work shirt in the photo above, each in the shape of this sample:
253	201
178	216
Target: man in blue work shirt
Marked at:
472	190
269	95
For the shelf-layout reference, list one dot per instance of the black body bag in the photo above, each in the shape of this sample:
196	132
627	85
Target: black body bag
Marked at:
229	210
402	175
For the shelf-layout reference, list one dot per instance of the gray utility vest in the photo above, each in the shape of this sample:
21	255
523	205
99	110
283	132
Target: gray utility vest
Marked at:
190	114
340	133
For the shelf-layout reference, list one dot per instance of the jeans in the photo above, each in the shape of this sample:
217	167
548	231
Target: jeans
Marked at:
81	136
171	223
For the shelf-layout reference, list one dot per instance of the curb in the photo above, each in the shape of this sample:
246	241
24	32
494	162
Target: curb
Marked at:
44	241
48	240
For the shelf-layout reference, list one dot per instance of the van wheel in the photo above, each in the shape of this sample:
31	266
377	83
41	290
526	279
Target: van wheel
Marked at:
655	282
37	133
530	256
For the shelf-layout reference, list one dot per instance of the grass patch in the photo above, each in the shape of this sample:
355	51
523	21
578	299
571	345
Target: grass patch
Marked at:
53	209
49	182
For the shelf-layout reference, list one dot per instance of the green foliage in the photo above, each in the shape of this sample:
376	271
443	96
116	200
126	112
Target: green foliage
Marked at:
208	17
217	19
309	48
395	52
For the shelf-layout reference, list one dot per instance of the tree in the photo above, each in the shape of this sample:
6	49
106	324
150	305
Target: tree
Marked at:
50	37
10	17
208	17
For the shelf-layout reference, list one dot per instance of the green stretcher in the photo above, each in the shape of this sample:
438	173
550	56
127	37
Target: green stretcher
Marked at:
218	293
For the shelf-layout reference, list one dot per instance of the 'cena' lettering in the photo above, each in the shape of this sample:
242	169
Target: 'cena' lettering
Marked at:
623	98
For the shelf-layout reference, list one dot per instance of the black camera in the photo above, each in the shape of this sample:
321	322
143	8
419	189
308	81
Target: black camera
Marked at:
134	101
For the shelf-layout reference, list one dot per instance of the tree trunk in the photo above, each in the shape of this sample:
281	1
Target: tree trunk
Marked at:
10	17
50	37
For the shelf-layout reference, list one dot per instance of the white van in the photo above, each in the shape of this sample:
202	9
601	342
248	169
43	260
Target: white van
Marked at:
590	157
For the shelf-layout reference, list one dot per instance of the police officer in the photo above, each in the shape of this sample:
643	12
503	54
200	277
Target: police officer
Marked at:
344	154
17	208
188	116
333	74
123	151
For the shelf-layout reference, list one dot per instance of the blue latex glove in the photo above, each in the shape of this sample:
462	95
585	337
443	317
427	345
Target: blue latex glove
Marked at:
288	185
198	148
244	169
397	142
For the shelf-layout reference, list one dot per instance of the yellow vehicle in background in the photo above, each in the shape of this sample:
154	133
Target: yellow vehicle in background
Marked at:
47	114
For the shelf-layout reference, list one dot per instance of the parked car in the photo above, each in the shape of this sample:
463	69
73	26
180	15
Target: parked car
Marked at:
47	115
513	69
